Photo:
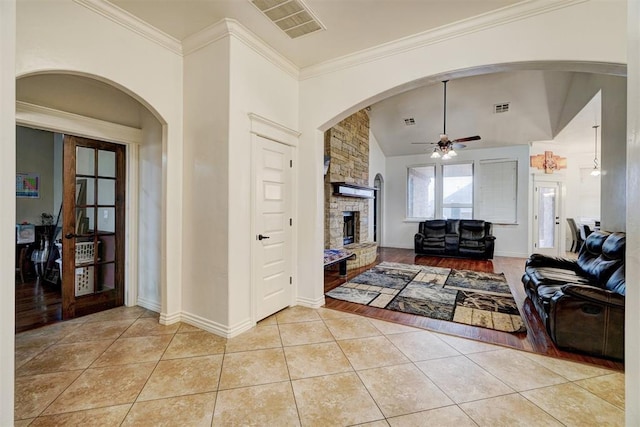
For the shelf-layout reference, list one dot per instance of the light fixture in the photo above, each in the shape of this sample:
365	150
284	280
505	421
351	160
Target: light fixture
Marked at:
596	165
435	154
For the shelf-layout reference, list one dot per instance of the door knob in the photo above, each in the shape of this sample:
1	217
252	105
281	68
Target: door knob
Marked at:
261	237
69	236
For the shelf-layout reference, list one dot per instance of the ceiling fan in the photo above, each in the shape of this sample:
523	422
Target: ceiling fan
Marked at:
446	146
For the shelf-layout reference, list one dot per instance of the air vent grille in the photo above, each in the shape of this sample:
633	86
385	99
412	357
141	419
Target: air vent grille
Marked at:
501	108
291	16
410	121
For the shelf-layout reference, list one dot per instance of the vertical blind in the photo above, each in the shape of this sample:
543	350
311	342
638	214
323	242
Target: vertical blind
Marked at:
497	191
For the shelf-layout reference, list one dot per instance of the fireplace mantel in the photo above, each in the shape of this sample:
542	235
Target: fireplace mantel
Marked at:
345	189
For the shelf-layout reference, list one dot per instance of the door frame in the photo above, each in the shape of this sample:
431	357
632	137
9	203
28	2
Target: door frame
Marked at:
43	118
559	181
265	128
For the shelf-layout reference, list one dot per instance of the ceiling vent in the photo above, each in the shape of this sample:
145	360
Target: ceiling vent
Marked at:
410	121
291	16
501	108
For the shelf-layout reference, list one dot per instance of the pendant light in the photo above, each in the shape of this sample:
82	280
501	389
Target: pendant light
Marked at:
596	165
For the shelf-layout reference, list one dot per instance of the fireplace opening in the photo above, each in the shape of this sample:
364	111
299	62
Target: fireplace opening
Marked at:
349	228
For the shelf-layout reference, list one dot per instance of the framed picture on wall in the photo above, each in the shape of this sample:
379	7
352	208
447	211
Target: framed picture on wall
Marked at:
28	185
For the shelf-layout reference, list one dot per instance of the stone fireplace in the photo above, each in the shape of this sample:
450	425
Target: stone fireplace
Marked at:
347	209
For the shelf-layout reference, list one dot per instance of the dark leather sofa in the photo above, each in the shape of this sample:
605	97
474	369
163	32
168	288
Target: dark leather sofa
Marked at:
581	302
469	238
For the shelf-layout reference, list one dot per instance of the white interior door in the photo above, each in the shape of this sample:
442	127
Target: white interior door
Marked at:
546	218
272	226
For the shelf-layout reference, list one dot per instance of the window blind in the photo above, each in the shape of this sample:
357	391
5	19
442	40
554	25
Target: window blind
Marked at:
497	191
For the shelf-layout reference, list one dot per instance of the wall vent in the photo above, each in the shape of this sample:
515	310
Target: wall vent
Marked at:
501	108
291	16
410	121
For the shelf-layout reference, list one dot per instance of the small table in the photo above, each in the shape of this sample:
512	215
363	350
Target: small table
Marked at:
337	256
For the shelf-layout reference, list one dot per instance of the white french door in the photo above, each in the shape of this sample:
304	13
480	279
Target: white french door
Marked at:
546	218
272	225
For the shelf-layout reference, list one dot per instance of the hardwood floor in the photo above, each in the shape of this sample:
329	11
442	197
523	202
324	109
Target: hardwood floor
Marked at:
534	340
38	303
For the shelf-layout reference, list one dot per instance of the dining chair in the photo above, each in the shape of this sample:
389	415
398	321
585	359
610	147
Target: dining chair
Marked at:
577	240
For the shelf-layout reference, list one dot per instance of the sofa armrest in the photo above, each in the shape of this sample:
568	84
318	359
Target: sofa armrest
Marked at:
418	239
539	260
594	295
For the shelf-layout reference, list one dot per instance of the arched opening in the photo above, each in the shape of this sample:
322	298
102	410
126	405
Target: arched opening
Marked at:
55	103
378	184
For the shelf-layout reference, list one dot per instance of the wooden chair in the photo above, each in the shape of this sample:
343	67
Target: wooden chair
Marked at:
577	240
22	255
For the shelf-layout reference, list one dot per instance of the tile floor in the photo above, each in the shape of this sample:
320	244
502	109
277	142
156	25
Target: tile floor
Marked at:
299	367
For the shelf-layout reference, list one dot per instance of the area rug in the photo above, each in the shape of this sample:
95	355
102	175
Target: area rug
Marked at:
462	296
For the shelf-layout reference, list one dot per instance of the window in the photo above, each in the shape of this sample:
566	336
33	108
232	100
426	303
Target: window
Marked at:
421	192
457	191
497	191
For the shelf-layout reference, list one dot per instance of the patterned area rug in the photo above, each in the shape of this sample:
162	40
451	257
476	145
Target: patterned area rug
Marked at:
462	296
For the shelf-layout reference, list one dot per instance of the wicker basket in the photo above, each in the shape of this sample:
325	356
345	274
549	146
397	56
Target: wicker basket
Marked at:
84	275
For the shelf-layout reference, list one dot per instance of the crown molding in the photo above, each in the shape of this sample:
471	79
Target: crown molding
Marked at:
132	23
39	117
269	129
475	24
231	27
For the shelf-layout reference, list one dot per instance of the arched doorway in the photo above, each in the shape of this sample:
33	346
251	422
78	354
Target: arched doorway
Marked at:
378	183
87	106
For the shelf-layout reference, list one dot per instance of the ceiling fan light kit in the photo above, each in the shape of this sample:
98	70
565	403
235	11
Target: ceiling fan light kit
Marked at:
445	148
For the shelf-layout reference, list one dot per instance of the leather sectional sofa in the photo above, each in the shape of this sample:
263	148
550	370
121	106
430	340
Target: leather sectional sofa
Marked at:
469	238
581	302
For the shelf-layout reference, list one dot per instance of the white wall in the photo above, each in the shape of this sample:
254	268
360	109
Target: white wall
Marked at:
377	165
511	240
218	240
8	211
150	205
34	154
632	313
205	294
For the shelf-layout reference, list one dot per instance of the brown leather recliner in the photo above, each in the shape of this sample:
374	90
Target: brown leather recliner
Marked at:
581	302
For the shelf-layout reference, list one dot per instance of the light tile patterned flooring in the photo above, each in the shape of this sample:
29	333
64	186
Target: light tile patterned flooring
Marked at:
299	367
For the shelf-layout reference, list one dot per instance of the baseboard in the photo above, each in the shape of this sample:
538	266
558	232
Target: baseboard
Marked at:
149	304
169	318
311	303
512	254
215	327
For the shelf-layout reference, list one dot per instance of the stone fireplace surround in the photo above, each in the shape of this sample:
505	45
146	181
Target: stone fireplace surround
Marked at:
347	146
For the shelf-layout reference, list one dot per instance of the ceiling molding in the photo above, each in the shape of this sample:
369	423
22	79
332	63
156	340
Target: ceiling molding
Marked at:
132	23
231	27
45	118
475	24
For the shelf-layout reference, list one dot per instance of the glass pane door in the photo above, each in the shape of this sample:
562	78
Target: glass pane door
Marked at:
547	218
92	273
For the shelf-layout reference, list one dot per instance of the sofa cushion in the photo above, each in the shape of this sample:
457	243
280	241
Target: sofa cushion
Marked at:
600	257
550	276
616	282
472	230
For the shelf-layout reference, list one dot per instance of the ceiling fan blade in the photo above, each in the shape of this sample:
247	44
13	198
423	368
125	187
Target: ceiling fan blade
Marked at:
457	146
424	143
467	139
